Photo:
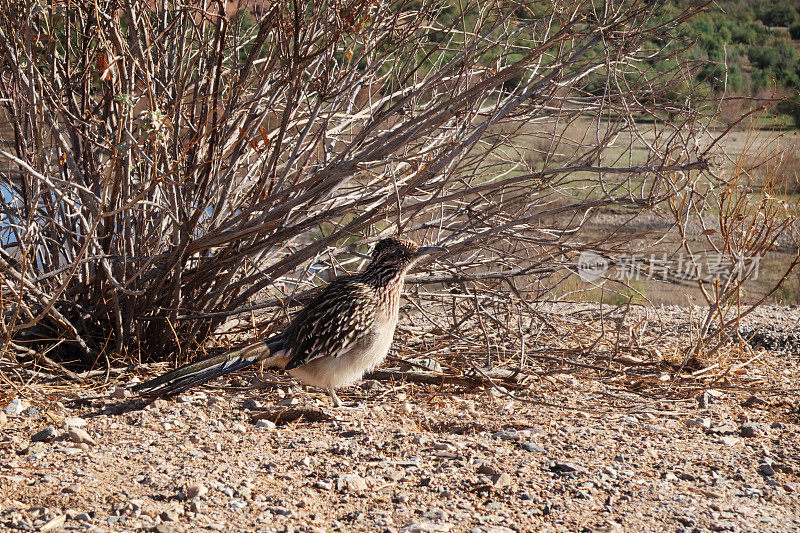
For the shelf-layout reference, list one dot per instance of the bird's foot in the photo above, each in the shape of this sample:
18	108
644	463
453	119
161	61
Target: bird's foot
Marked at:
338	403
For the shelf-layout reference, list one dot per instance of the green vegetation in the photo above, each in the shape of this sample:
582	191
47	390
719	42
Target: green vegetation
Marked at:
757	42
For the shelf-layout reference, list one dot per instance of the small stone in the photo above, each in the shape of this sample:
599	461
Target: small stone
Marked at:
265	424
45	435
723	429
407	408
31	412
425	527
74	422
38	447
500	481
323	485
120	393
729	441
751	492
279	510
488	470
610	471
3	418
16	407
703	400
563	467
83	517
753	401
532	447
238	428
251	404
54	523
791	486
351	482
766	469
750	430
291	401
80	436
195	491
399	497
170	515
72	489
156	405
508	434
704	423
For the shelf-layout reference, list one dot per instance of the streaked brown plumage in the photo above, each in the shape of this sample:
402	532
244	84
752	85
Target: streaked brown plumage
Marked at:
343	332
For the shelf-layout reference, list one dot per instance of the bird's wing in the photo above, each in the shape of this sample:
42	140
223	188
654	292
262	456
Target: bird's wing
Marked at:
341	315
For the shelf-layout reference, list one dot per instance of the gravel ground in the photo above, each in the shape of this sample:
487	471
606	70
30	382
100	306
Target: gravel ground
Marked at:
412	458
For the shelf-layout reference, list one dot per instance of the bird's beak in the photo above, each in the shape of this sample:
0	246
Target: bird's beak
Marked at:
426	250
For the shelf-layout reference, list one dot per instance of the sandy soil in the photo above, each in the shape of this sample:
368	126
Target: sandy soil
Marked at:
414	458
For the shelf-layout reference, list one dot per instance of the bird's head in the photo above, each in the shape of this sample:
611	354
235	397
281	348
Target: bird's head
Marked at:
393	256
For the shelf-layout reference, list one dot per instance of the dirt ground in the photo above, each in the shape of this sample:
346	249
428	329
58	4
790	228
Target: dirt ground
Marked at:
414	458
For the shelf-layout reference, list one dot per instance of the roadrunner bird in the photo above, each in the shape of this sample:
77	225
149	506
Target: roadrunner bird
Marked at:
341	334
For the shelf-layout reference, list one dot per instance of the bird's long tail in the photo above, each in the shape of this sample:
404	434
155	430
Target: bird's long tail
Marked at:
189	375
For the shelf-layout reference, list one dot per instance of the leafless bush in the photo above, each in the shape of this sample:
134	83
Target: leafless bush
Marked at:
170	165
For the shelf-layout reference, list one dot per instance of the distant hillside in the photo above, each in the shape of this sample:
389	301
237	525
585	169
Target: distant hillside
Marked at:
758	41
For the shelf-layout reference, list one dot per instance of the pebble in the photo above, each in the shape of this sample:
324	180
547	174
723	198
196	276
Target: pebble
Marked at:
80	436
196	491
425	527
238	427
54	523
291	401
487	469
170	515
45	435
351	482
75	422
251	404
723	429
279	510
16	407
500	481
766	469
751	430
508	434
532	447
563	467
83	517
729	441
407	408
38	447
265	424
791	486
704	423
3	418
753	401
120	393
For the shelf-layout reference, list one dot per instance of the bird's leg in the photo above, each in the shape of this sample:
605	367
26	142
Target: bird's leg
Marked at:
332	393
